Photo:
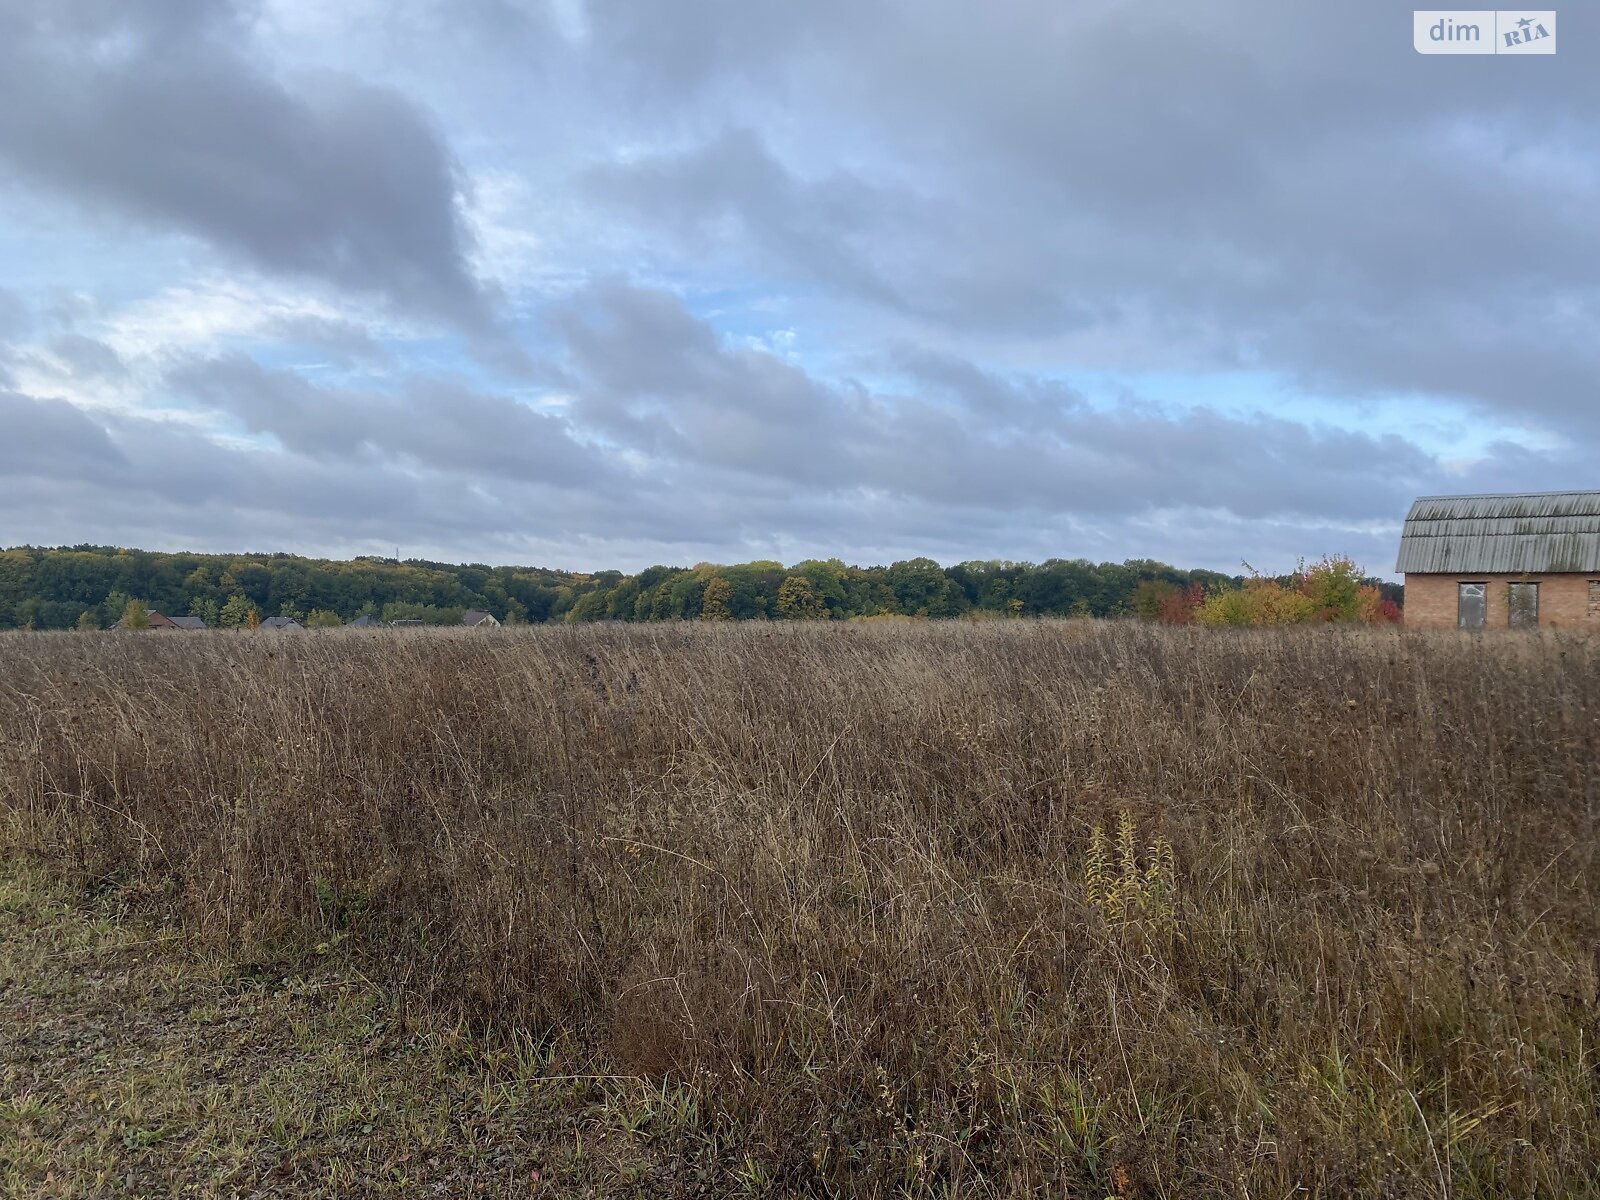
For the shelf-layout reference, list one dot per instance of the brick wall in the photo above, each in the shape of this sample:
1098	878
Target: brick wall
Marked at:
1564	600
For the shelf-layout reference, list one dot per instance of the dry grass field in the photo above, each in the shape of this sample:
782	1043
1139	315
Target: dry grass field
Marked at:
908	909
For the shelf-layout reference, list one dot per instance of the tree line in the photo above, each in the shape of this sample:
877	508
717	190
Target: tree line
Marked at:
94	586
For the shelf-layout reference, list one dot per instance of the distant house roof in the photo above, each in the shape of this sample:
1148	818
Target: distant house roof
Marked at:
366	621
189	622
1512	534
281	623
158	621
474	617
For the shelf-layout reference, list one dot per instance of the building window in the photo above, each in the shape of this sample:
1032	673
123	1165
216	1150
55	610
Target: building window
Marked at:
1522	603
1594	599
1471	605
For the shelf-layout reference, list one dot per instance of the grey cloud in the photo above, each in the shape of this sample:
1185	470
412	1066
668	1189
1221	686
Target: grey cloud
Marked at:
155	21
68	478
679	441
479	27
892	476
1255	183
51	439
434	423
887	244
1530	362
824	227
652	376
180	468
153	110
1286	273
958	205
673	51
187	491
14	320
346	343
964	383
655	379
86	357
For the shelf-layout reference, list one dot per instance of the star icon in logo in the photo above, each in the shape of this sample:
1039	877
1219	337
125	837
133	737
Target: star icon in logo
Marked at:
1525	22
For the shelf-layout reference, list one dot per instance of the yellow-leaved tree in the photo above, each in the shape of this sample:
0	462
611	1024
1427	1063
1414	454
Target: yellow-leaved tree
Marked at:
714	604
798	600
136	615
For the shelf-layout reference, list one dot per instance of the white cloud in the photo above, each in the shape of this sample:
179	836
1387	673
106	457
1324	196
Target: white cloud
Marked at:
205	314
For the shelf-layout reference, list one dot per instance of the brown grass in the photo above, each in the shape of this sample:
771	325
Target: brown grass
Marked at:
831	887
132	1066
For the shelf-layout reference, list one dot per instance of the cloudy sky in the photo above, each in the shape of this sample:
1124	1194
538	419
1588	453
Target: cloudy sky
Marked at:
591	283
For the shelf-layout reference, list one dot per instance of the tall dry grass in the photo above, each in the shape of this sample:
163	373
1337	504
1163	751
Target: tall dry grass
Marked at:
836	883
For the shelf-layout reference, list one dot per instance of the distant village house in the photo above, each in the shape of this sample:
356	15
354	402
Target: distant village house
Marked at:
472	619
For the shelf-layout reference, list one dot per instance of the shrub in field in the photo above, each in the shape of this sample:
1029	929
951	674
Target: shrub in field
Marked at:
1182	607
1166	602
1150	595
903	908
1329	590
1335	585
1259	602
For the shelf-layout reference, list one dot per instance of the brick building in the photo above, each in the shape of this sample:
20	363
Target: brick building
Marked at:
1493	562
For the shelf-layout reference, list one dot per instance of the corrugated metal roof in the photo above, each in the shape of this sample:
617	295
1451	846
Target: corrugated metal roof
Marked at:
1526	532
